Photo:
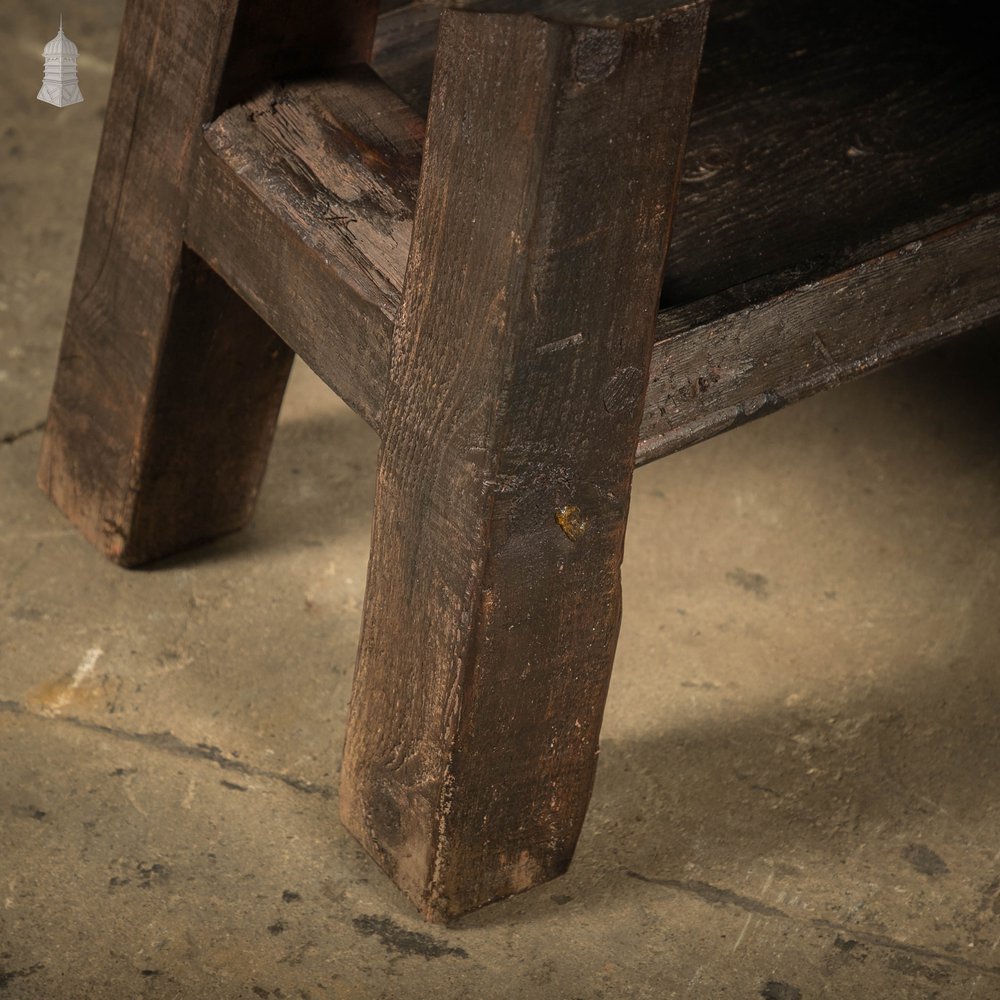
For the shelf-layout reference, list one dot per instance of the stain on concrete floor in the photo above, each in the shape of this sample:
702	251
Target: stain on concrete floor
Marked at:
800	775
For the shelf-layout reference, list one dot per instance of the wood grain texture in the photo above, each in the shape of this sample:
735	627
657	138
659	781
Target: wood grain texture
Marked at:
516	384
99	446
303	200
127	271
220	382
708	375
815	137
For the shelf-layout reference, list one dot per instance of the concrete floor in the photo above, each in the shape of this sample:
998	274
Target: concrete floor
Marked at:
799	790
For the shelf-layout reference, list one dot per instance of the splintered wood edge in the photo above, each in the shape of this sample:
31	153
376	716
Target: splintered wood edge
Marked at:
374	265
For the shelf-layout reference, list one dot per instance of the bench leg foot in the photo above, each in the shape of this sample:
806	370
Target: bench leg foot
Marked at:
179	459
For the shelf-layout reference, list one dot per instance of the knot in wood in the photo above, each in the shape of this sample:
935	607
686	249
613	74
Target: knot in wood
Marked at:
623	390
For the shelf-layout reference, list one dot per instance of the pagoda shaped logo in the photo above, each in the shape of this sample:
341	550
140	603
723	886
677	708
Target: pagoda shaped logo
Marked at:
59	85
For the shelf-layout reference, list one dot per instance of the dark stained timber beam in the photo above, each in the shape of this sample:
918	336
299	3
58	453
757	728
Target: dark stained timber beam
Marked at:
709	374
302	199
508	443
325	175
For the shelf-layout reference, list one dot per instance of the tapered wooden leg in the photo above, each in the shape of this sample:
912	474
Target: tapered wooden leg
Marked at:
519	366
168	386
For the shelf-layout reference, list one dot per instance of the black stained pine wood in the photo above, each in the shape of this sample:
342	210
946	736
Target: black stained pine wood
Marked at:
817	133
134	299
511	420
323	174
712	372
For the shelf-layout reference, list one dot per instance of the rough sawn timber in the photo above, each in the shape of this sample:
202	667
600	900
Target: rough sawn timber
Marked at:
508	443
303	200
168	386
713	370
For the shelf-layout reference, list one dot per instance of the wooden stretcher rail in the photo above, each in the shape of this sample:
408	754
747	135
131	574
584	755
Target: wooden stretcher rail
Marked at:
707	377
322	177
325	176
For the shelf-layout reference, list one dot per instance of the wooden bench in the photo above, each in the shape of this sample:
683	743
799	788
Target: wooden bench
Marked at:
474	261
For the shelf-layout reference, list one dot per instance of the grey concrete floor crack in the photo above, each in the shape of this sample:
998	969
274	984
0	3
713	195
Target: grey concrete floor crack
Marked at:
14	436
169	743
716	896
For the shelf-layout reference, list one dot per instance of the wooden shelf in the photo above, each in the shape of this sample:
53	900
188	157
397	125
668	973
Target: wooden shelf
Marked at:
838	206
820	137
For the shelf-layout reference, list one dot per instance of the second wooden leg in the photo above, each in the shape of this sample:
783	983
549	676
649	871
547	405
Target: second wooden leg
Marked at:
168	385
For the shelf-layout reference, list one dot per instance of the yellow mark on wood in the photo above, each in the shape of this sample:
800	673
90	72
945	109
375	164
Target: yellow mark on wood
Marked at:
572	522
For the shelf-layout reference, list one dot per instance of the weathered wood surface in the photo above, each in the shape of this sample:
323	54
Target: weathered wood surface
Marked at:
113	386
816	134
303	200
708	375
517	375
511	401
220	383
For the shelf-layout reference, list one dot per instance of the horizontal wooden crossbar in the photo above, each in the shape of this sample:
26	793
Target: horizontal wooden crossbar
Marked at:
325	176
303	201
708	375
